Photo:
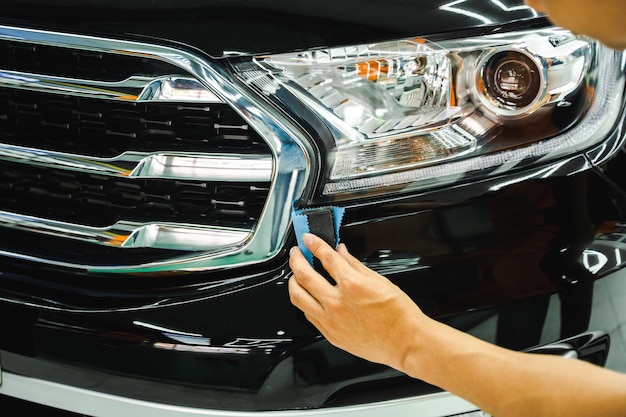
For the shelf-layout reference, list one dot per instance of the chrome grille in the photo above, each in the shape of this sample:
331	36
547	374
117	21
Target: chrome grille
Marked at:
107	143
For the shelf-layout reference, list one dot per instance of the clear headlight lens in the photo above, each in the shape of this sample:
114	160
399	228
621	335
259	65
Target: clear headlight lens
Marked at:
414	113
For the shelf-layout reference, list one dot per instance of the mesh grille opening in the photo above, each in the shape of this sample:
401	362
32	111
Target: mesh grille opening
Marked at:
77	63
99	200
107	128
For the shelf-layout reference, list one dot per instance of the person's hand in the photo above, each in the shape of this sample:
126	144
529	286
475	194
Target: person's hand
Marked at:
370	317
364	313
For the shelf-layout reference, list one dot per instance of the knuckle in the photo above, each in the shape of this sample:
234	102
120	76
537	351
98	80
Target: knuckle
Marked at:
294	298
326	257
293	291
335	307
301	280
350	284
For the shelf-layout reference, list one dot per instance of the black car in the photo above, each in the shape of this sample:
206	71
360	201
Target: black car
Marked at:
152	153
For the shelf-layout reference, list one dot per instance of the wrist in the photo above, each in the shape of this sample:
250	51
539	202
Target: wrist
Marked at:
415	346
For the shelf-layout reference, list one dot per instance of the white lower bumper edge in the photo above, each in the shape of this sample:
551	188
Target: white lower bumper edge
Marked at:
97	404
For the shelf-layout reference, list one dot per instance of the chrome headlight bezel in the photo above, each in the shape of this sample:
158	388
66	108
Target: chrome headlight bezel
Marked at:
576	98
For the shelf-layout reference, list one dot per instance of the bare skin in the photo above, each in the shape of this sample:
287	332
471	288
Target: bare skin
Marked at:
368	316
599	19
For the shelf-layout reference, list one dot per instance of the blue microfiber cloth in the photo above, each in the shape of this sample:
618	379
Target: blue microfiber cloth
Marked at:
324	222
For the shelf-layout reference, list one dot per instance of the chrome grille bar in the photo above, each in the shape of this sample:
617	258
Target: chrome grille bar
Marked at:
229	168
134	88
132	234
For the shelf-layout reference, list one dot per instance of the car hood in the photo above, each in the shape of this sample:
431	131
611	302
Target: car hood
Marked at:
244	27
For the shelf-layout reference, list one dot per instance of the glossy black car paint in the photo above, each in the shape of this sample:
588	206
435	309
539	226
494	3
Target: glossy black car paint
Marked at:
494	254
465	254
232	27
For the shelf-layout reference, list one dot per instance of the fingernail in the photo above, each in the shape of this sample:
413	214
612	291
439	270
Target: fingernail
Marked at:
293	248
307	238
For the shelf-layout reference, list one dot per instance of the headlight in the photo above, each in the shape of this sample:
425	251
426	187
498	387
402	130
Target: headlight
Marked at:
414	114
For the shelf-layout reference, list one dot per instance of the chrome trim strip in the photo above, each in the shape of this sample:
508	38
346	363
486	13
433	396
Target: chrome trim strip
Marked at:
292	152
97	404
120	166
134	88
177	89
132	234
251	168
173	165
185	237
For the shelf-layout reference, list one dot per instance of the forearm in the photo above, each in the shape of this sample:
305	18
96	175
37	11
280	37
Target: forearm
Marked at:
600	19
367	315
508	383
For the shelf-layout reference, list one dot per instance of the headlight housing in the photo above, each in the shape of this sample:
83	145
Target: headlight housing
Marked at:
413	114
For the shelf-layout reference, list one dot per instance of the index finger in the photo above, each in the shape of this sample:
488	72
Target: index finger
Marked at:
332	262
307	277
